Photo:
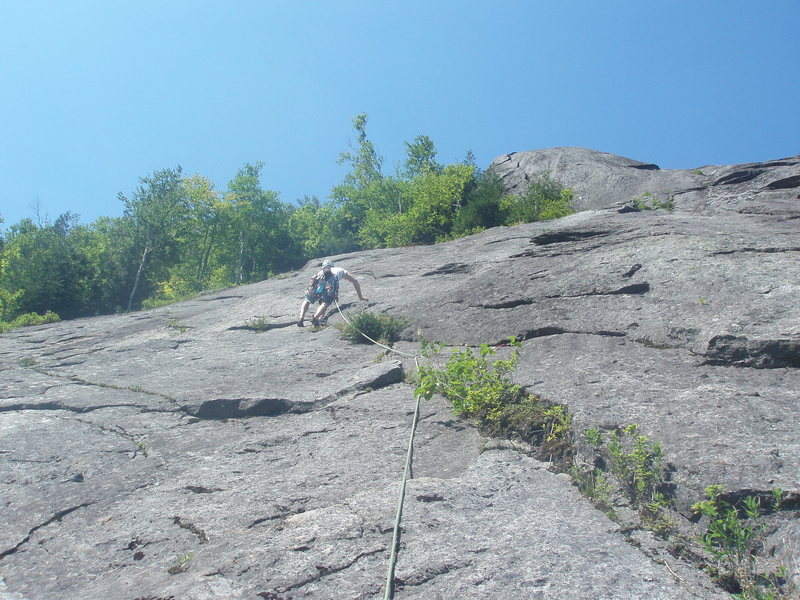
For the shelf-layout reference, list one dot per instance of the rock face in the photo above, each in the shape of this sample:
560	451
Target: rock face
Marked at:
600	180
179	453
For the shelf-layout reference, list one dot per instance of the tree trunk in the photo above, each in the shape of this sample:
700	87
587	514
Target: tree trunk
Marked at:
240	270
138	275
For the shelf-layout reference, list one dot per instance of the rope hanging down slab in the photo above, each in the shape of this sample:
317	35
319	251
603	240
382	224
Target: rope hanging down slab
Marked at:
406	471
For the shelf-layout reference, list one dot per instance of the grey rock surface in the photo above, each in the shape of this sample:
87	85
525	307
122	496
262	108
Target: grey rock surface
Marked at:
600	180
177	453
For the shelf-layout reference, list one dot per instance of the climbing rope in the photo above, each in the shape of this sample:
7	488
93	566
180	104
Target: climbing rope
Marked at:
406	471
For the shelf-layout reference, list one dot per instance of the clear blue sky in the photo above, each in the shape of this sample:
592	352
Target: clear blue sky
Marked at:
98	93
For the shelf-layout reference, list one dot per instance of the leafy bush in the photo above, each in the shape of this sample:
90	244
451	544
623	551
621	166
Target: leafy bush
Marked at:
542	200
733	537
257	323
636	462
485	205
479	387
649	201
626	466
381	328
29	319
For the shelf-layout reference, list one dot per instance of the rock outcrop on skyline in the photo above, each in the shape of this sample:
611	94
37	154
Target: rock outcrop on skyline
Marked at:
182	453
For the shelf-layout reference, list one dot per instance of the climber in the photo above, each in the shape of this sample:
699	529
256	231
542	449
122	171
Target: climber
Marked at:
324	286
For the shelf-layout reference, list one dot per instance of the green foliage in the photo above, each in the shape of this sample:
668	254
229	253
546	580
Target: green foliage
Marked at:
734	536
543	199
257	323
479	387
382	328
485	204
649	201
181	564
420	158
594	484
178	326
9	304
42	269
156	216
625	465
636	462
29	319
594	437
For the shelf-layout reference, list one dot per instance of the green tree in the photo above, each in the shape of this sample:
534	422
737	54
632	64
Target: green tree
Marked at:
420	157
110	253
207	214
486	204
436	198
544	198
157	212
260	224
43	269
365	162
354	196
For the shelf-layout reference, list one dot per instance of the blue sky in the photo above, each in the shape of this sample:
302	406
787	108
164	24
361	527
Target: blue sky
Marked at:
96	94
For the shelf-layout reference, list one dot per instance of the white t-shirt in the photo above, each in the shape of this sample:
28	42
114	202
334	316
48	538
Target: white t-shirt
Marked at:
337	272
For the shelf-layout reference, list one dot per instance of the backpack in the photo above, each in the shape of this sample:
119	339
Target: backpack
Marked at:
324	285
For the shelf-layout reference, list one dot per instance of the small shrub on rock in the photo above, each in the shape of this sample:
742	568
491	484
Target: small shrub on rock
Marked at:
29	319
379	327
479	387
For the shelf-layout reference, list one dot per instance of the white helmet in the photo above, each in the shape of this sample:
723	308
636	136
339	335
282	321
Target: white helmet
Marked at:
327	263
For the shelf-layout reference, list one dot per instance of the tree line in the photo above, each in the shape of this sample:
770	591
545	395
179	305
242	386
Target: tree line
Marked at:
180	235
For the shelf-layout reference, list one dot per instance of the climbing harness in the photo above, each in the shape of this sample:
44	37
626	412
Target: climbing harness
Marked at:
406	471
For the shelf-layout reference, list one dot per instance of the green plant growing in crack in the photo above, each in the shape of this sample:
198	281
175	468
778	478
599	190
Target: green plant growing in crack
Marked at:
734	535
637	463
592	481
181	564
649	201
628	465
178	326
143	447
479	387
257	323
594	484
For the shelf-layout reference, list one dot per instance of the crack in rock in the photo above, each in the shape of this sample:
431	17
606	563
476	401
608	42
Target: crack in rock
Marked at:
231	408
630	272
432	572
784	184
56	517
189	526
739	177
450	269
322	572
557	237
633	289
768	250
545	331
740	351
507	304
199	489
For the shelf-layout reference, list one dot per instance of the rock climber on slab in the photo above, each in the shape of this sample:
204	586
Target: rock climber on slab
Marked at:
324	287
